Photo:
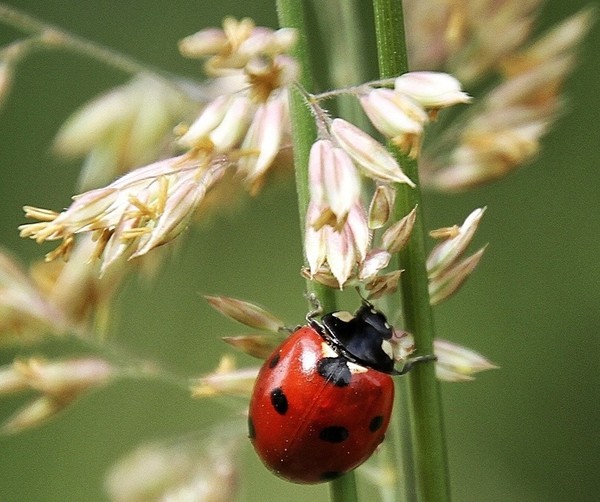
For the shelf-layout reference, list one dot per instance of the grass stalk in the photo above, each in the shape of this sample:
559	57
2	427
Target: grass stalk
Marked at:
291	14
429	449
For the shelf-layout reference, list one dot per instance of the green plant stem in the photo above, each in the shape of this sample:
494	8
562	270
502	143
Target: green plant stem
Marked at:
343	489
430	458
291	14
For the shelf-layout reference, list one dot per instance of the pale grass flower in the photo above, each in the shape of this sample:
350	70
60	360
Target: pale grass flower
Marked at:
226	380
446	269
397	116
251	134
136	213
221	125
338	238
376	260
396	235
383	284
57	382
334	184
123	128
381	206
58	297
400	114
403	345
393	113
370	155
203	43
77	289
25	312
260	346
257	53
6	80
34	413
244	128
268	133
468	38
250	123
271	330
448	251
210	117
12	380
506	132
268	76
341	250
476	41
179	470
337	258
456	363
246	313
449	282
63	378
236	45
432	90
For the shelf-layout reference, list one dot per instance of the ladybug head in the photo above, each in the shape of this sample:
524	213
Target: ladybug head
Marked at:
363	337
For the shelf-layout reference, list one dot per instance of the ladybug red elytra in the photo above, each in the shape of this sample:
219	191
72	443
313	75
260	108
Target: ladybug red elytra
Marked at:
322	401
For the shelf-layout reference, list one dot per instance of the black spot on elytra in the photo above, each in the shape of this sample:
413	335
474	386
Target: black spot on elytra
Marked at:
334	434
376	423
328	476
279	401
251	429
335	370
274	360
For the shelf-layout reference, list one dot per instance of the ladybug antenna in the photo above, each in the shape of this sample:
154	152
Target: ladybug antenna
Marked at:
363	299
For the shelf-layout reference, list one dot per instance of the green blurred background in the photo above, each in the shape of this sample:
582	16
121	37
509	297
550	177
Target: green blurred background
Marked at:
526	432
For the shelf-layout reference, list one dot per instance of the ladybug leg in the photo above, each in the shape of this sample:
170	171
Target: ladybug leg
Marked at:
316	310
410	364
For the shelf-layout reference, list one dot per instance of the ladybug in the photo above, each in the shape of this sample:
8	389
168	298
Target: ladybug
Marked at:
322	401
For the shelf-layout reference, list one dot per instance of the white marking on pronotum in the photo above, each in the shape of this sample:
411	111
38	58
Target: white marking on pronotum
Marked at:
327	350
386	346
342	315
